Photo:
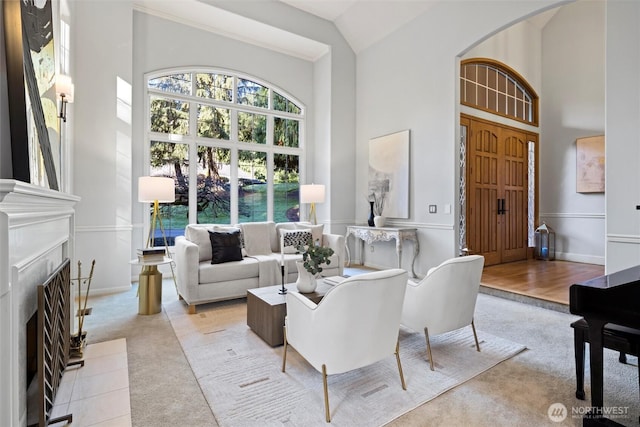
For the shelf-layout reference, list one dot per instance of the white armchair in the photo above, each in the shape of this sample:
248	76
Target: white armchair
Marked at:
445	299
356	324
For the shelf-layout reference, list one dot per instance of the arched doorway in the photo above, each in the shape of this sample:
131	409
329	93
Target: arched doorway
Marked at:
498	163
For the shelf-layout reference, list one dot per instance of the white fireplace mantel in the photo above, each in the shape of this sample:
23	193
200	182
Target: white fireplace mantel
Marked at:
36	235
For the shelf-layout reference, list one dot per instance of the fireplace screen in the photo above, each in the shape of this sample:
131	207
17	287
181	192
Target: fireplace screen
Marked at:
53	339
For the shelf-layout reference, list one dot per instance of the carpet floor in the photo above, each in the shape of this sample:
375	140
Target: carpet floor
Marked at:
241	378
517	392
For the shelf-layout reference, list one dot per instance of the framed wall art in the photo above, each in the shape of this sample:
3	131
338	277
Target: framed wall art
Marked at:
31	74
389	173
590	164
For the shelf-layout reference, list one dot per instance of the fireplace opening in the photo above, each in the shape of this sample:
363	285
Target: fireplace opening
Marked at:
51	344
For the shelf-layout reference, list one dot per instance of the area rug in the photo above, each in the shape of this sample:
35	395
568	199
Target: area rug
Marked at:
241	378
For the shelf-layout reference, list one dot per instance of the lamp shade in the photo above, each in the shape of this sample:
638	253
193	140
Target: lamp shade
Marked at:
152	188
64	87
312	193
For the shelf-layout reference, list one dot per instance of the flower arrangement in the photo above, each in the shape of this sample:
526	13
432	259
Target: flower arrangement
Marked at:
314	255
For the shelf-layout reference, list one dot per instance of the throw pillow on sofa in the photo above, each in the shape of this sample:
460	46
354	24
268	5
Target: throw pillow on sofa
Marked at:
316	231
291	239
225	246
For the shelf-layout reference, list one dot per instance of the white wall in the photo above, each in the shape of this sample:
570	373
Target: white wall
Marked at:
572	106
101	53
409	81
623	140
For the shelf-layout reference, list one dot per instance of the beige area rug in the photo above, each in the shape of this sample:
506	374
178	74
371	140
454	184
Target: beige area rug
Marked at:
241	378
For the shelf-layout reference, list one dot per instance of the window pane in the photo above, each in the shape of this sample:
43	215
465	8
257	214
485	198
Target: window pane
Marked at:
169	116
170	160
252	191
214	86
213	122
252	93
286	206
285	132
175	83
252	127
280	103
214	203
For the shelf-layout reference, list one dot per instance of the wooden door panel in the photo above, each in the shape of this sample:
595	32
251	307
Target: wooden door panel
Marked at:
515	190
496	173
483	177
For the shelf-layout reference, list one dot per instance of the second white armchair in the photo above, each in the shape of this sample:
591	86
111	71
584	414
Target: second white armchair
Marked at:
356	324
445	299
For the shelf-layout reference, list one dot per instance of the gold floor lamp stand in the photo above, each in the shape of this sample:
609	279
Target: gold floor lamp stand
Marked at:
150	290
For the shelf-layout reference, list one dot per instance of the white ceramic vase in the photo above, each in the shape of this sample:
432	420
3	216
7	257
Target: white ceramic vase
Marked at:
378	221
306	282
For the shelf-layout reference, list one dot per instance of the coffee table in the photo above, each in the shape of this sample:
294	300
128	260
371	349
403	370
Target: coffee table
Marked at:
266	310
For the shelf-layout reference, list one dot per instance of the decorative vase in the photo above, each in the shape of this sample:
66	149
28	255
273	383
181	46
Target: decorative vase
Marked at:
370	221
306	282
378	220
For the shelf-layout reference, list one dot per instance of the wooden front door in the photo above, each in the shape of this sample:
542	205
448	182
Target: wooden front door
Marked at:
497	191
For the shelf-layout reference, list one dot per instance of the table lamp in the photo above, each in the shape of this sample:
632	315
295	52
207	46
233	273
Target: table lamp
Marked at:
156	189
312	193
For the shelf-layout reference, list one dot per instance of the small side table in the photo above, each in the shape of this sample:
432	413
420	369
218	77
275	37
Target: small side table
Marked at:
150	285
266	310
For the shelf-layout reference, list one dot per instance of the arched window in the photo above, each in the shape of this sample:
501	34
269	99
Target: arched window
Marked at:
232	143
494	87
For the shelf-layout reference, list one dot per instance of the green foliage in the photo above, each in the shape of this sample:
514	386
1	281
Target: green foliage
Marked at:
314	255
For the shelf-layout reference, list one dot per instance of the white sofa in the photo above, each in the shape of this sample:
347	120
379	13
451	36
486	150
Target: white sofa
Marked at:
199	281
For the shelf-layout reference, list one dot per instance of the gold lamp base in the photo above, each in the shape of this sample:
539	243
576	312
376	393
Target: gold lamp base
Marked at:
150	290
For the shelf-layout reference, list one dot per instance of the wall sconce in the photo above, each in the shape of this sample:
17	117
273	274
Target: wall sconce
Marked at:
312	193
64	89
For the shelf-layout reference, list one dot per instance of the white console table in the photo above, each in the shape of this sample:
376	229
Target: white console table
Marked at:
371	235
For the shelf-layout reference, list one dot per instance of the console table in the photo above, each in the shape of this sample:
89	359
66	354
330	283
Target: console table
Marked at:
371	235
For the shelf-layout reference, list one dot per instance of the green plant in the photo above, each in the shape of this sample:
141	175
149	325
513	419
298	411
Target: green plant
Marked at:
314	255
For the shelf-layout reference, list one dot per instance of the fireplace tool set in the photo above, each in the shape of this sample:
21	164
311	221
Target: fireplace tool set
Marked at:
79	339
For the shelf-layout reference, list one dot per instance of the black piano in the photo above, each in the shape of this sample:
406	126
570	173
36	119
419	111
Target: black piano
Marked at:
614	298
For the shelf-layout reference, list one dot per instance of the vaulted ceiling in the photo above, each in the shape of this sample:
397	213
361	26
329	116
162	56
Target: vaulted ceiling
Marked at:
361	22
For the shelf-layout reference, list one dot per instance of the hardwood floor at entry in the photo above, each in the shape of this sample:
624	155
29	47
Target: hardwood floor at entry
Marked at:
547	280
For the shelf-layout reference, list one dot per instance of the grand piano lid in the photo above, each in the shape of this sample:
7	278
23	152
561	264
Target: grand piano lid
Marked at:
622	277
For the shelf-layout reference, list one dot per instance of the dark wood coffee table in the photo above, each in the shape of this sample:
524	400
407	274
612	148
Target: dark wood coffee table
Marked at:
266	310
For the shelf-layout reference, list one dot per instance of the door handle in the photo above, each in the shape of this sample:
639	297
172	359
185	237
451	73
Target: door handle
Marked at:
501	209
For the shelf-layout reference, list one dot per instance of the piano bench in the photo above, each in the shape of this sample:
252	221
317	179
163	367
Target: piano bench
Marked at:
615	337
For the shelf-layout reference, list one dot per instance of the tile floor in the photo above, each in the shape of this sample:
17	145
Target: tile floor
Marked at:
97	395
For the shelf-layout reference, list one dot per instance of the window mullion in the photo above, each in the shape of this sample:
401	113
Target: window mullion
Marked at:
270	183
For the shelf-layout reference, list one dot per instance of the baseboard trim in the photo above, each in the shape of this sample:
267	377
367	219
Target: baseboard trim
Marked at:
581	258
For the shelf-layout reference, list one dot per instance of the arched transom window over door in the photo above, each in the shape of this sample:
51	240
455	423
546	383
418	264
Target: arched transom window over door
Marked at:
491	86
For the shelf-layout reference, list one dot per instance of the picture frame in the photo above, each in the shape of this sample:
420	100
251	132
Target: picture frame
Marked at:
31	74
389	173
590	164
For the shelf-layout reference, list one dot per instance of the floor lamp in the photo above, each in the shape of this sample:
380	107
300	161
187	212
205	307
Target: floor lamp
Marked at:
156	190
312	193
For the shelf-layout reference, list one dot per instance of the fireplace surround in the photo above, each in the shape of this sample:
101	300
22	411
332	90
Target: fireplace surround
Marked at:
36	236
